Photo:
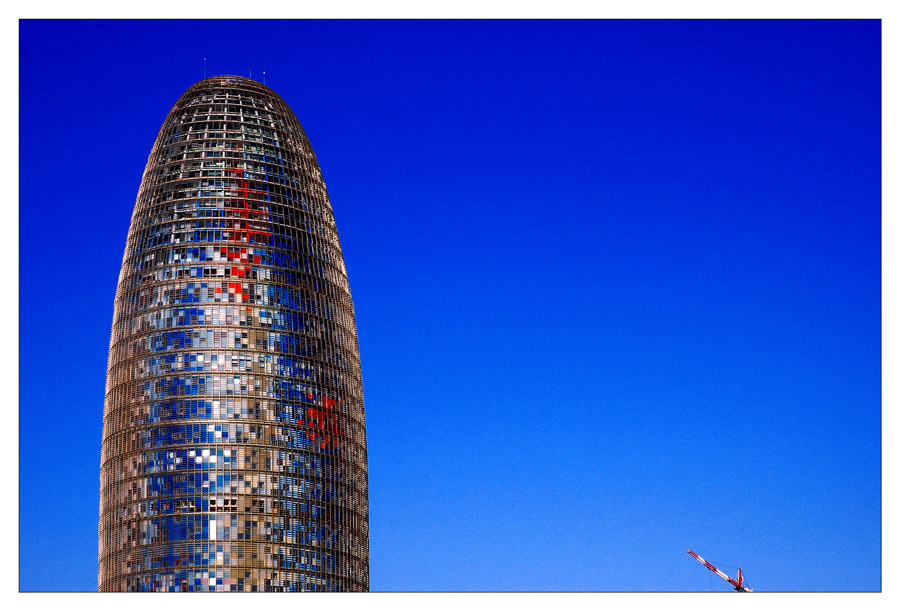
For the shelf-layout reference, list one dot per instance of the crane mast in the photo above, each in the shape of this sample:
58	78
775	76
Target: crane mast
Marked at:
738	585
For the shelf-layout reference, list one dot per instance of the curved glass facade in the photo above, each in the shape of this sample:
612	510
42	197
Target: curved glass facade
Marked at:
234	449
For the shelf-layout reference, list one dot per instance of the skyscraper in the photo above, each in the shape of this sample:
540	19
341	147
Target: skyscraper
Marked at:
234	449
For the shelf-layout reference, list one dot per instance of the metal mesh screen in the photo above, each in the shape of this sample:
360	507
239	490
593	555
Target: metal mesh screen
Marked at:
234	449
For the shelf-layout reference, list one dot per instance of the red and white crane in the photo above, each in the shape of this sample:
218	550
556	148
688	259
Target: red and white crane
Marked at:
738	585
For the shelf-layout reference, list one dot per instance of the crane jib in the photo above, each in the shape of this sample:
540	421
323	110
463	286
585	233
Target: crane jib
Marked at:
738	585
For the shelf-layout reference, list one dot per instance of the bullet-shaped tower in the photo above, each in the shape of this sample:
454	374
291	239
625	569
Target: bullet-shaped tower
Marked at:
234	448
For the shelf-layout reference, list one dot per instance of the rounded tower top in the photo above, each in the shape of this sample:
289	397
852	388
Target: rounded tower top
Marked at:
230	79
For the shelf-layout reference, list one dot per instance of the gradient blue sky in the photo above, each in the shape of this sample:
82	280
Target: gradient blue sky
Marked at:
617	286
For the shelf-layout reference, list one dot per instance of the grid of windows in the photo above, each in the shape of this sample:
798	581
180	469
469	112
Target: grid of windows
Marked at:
234	450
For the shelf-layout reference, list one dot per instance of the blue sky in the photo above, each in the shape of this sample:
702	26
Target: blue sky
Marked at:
617	284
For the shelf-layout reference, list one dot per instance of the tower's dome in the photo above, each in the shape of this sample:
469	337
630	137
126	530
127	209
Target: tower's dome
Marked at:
234	450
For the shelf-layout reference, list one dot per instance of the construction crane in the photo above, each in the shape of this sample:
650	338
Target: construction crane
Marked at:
738	585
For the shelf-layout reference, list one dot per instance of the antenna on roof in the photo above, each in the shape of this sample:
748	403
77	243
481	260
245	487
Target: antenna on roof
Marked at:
204	67
251	72
264	77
